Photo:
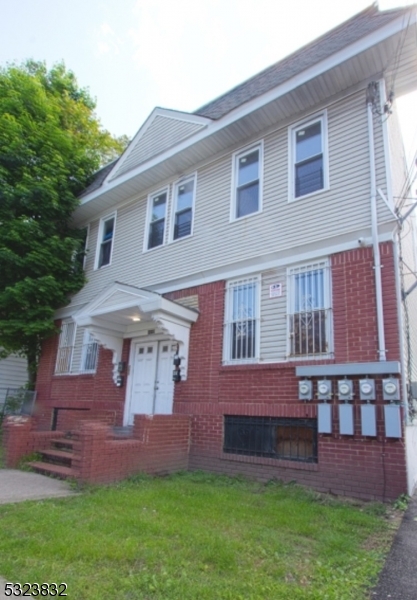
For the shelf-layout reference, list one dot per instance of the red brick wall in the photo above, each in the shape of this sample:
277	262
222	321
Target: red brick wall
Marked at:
96	392
347	465
21	439
350	465
160	445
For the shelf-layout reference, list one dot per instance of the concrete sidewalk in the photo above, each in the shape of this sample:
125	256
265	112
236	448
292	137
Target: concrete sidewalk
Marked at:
398	578
17	486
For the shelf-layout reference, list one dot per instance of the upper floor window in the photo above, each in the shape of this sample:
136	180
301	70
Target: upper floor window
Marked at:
184	193
105	241
309	160
65	347
247	182
157	218
241	331
89	354
309	310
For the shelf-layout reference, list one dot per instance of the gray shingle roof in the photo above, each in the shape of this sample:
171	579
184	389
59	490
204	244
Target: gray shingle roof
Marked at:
99	177
328	44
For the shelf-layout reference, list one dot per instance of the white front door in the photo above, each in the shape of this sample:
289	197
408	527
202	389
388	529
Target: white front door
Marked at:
152	386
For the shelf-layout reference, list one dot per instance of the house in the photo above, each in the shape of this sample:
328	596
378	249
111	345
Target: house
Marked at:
13	375
250	293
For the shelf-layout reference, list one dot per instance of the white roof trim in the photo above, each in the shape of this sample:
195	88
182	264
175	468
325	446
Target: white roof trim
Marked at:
157	112
248	107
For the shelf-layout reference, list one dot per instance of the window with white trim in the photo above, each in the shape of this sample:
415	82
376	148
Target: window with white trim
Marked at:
105	241
247	182
65	348
309	316
309	160
241	328
184	194
157	208
89	355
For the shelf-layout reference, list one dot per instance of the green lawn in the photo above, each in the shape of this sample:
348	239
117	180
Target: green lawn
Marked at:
196	536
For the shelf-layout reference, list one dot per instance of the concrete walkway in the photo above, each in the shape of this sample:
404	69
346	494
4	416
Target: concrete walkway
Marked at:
398	579
17	486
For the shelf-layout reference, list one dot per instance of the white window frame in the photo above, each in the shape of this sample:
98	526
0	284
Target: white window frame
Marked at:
174	211
292	146
100	240
65	352
229	321
323	264
259	146
88	340
151	198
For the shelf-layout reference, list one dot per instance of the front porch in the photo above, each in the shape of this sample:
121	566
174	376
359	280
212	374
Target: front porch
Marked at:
95	453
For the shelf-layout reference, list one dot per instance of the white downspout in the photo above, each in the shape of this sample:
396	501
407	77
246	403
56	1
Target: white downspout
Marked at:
375	239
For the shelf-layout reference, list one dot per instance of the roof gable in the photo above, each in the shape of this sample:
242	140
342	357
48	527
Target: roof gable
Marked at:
162	130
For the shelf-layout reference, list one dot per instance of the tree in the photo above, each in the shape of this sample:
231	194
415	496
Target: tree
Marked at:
51	143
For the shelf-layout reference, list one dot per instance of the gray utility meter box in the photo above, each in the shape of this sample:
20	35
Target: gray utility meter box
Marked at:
346	425
392	416
305	390
368	420
367	389
324	418
391	389
324	389
345	389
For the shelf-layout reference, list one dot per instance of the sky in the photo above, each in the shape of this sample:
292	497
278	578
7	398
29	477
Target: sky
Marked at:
134	55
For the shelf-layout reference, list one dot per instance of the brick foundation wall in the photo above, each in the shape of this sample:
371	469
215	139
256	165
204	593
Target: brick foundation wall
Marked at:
21	439
369	468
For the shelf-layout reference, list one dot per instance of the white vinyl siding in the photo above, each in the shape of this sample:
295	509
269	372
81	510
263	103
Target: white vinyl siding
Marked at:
163	133
273	343
281	226
65	348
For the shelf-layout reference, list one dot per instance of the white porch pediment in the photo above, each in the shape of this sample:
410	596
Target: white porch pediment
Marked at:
110	316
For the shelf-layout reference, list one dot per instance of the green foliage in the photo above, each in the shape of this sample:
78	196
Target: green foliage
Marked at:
401	503
51	143
193	536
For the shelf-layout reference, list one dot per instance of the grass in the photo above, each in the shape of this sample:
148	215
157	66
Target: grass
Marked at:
196	536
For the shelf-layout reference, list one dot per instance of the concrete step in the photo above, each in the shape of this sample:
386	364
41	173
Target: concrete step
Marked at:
57	471
58	457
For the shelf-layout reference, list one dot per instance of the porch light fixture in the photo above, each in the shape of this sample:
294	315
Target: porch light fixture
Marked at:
135	319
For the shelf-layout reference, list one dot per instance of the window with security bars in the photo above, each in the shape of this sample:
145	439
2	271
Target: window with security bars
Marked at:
309	314
273	437
184	203
65	348
89	354
242	320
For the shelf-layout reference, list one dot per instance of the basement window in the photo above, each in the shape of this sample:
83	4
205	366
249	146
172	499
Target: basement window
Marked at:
273	437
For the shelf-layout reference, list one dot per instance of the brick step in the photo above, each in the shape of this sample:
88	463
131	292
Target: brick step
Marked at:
57	471
62	443
58	457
